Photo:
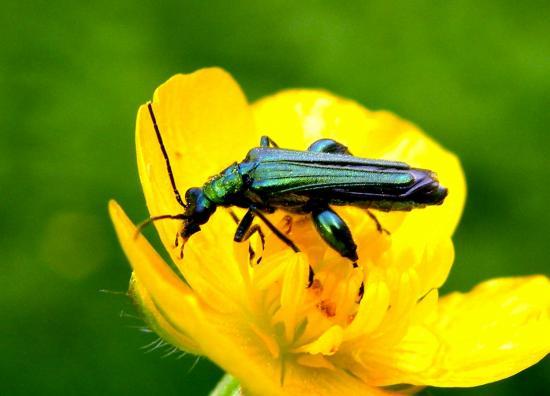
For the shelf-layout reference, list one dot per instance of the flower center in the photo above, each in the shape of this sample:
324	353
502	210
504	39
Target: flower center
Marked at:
300	321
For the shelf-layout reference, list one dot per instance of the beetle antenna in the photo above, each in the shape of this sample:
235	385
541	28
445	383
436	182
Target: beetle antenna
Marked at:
165	154
152	219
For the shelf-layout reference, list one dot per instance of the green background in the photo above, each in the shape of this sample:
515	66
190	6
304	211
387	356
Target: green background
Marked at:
473	74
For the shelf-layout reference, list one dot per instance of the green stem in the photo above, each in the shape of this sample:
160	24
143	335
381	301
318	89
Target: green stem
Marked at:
228	386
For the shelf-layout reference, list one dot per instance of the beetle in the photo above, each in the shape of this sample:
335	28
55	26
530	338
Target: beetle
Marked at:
303	182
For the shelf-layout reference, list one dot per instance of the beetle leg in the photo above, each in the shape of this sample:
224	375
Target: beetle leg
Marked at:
251	231
266	141
378	225
328	146
244	226
244	231
273	229
335	232
281	236
233	216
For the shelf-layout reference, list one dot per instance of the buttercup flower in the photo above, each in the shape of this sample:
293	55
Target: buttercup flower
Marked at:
247	306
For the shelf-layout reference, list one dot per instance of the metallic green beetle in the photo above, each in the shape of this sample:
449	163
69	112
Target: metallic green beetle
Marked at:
305	182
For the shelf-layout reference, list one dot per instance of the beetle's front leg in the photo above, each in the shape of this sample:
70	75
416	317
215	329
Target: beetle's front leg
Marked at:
266	141
335	232
328	146
244	228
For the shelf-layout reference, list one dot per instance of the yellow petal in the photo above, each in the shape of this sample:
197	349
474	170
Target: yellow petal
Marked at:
498	329
385	363
296	118
178	305
373	308
206	125
157	322
435	265
315	361
326	344
150	267
293	292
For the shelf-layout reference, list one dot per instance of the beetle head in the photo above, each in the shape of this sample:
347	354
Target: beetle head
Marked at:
197	212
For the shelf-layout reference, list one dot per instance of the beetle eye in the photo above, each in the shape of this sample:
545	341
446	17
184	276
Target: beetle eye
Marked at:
192	195
199	208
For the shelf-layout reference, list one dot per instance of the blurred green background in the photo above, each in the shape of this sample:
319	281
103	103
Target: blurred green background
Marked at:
474	74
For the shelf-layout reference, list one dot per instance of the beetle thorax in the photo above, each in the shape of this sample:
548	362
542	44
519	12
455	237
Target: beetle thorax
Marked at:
221	187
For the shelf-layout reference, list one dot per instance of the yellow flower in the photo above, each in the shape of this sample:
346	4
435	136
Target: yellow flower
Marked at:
259	321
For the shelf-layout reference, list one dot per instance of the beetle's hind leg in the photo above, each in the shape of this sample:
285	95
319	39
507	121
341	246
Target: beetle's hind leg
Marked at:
266	141
328	146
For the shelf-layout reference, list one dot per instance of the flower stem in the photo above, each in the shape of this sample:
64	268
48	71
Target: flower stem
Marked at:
228	386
